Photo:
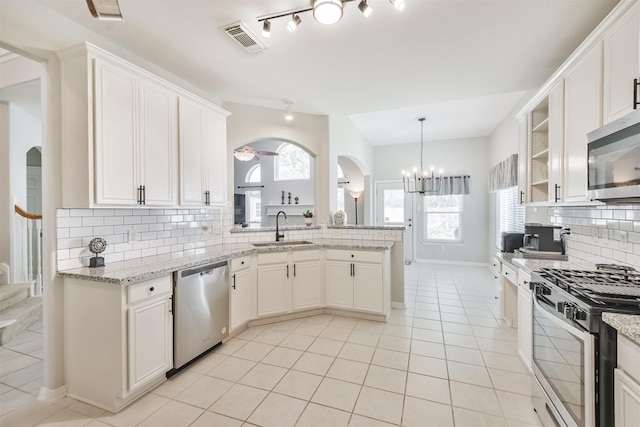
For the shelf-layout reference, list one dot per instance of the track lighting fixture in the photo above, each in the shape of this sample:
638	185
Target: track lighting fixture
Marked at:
266	29
293	24
365	8
324	11
327	11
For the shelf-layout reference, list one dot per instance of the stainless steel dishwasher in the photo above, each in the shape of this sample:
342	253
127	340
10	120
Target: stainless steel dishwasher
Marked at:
201	311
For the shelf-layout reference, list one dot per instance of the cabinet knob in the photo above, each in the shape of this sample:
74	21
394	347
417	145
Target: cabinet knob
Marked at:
151	289
352	255
242	262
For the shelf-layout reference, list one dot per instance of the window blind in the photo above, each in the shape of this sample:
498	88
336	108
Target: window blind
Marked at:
509	212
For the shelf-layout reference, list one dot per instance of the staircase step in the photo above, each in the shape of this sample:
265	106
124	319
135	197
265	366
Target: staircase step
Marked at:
12	294
25	313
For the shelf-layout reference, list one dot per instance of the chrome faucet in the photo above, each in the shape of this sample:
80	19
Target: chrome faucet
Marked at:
278	234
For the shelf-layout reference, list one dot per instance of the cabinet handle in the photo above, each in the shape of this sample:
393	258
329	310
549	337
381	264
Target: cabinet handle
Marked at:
234	282
557	187
294	270
521	197
139	190
352	255
287	270
207	201
171	306
636	84
151	289
144	194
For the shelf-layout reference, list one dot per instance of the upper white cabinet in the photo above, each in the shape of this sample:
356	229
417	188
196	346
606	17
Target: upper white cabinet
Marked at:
539	152
621	65
556	142
203	149
582	114
122	136
135	138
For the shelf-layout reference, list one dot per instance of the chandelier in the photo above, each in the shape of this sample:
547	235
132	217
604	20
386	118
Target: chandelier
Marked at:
423	182
324	11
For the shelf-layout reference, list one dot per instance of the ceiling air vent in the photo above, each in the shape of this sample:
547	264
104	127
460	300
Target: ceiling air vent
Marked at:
241	33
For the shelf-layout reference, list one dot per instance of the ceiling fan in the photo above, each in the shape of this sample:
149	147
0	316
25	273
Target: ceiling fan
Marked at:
247	153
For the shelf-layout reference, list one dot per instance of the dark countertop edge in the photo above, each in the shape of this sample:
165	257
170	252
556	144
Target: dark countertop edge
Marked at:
272	229
626	324
171	265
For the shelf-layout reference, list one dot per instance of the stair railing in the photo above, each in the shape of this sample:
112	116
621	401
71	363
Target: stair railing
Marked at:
28	242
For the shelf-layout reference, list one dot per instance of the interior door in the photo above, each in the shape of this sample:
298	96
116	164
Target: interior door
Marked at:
395	207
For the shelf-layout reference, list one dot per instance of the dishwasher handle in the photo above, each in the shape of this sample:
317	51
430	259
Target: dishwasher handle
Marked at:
206	269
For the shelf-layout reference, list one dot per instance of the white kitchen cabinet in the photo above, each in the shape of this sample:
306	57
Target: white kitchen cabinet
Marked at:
288	281
523	160
509	295
358	280
150	341
496	269
582	114
121	129
627	384
538	166
306	282
525	318
621	64
118	339
240	292
203	150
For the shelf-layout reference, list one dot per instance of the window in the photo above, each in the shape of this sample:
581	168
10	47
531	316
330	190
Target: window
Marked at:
509	213
253	205
393	206
254	174
443	218
292	163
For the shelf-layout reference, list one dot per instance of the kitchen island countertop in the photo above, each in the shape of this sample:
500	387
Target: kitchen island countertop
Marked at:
127	272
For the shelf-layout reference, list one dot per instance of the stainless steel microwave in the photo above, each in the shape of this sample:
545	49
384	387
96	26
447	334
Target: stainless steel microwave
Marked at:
613	171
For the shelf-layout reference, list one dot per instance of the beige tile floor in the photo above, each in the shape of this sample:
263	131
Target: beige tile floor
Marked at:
445	360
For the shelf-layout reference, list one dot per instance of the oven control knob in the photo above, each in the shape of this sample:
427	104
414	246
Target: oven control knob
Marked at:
569	312
580	315
542	290
560	306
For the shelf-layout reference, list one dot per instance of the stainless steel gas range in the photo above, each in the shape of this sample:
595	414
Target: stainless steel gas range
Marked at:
574	352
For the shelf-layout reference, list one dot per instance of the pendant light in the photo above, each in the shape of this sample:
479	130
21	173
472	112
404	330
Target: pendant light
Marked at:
422	182
327	11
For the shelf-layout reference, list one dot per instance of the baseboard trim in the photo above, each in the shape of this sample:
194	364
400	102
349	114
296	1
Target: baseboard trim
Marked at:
452	262
48	395
399	305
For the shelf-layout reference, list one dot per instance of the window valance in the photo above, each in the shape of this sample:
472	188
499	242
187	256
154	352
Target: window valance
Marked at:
451	185
504	174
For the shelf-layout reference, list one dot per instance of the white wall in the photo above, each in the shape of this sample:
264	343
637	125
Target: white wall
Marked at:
25	132
456	157
347	141
247	124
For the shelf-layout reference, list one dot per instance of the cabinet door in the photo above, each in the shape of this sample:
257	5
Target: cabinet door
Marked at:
525	324
367	287
626	400
116	130
191	153
306	285
273	289
556	141
150	341
158	145
621	64
215	149
523	167
339	284
583	113
240	295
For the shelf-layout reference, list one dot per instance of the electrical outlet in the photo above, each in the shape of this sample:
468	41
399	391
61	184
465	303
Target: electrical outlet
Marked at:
206	229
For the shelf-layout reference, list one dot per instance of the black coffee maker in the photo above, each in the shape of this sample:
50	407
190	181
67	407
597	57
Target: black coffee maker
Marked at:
542	238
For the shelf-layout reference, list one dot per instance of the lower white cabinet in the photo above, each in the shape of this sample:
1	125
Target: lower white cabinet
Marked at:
358	280
509	295
288	281
525	318
118	339
626	387
240	292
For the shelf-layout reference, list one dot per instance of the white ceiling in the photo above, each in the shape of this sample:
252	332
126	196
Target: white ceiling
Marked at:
463	63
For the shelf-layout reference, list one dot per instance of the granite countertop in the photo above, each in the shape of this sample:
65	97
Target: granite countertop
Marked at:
369	227
626	324
126	272
273	228
532	264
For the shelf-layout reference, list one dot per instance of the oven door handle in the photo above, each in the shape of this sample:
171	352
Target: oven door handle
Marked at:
561	323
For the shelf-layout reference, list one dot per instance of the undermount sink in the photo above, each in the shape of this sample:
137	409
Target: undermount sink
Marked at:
291	243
